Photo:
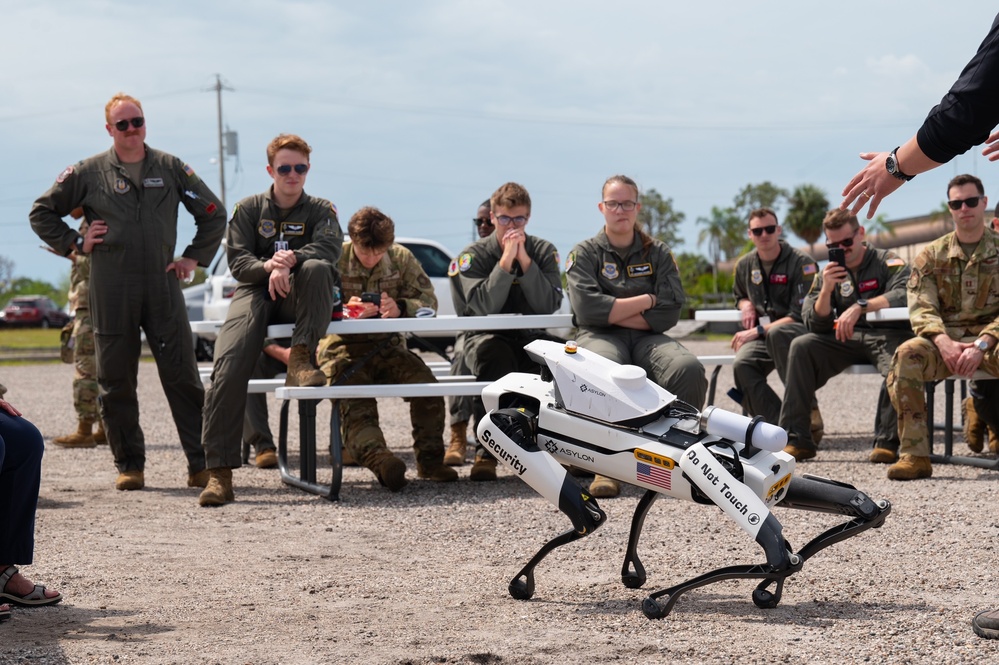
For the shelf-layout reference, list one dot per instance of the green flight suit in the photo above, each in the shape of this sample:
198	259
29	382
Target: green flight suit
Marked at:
597	274
312	231
778	294
130	289
818	356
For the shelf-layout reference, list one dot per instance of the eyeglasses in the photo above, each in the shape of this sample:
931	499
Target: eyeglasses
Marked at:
758	231
972	202
479	221
122	125
285	169
845	242
626	206
504	220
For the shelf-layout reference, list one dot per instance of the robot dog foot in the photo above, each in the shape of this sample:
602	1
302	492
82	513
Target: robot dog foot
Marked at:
806	493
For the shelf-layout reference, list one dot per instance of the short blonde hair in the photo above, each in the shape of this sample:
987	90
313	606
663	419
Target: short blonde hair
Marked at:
118	99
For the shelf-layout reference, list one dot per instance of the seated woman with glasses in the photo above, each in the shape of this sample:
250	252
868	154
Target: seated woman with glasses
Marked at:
625	292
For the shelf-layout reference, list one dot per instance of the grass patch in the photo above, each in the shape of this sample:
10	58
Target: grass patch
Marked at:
29	338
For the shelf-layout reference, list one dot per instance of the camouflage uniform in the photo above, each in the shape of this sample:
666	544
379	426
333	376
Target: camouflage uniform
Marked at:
775	295
949	294
399	275
816	357
480	287
597	274
85	378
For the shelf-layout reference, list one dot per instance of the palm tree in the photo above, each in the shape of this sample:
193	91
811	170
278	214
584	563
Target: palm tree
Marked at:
717	233
809	206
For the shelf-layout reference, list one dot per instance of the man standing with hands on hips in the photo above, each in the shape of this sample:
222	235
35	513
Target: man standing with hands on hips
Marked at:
130	195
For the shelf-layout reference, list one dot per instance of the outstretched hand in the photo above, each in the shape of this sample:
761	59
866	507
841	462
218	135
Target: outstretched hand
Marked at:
870	186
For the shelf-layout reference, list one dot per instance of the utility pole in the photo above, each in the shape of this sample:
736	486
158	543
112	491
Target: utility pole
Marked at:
218	91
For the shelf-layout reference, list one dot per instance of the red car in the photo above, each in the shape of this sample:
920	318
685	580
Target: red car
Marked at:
34	311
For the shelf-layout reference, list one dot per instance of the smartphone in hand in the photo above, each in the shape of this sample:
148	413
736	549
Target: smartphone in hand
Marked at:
373	298
838	255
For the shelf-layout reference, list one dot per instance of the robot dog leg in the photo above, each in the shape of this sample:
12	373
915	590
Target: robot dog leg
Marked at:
510	435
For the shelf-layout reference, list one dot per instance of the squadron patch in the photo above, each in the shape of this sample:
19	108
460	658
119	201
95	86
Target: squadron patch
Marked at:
66	172
464	262
121	186
640	270
868	285
292	229
609	270
756	277
266	228
234	209
452	269
846	289
570	261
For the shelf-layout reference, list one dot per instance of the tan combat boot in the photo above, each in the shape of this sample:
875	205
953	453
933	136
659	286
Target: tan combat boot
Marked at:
603	487
910	467
882	456
993	441
130	480
483	468
455	455
266	458
388	469
218	491
301	372
81	438
974	427
817	427
100	436
199	479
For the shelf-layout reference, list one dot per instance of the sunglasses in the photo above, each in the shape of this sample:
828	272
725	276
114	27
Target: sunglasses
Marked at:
758	231
845	242
972	202
285	169
504	220
479	221
122	125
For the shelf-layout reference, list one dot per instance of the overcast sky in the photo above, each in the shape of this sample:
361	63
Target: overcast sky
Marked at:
424	108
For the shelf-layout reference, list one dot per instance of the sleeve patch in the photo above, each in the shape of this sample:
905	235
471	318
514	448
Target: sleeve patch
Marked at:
809	269
570	261
895	262
188	170
452	269
464	262
66	172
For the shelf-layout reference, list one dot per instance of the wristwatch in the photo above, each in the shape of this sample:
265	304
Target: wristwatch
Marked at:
862	304
78	243
891	164
981	345
761	331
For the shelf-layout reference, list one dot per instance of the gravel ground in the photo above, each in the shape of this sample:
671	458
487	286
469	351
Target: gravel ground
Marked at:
421	576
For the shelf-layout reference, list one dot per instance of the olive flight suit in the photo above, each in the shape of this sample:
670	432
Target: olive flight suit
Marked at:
597	274
777	294
818	356
311	229
480	287
130	289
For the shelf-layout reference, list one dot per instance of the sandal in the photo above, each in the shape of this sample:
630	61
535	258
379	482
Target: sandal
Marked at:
4	613
36	598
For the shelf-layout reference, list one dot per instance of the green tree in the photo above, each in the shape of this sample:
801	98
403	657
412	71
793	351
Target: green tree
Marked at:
764	195
720	232
25	286
659	219
809	206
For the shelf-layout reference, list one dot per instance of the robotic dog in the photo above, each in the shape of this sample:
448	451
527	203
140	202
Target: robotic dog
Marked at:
607	418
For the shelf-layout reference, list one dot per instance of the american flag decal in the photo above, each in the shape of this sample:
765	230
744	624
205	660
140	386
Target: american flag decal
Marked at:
653	475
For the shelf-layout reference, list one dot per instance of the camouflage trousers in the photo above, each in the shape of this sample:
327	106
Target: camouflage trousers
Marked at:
916	362
85	361
359	428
